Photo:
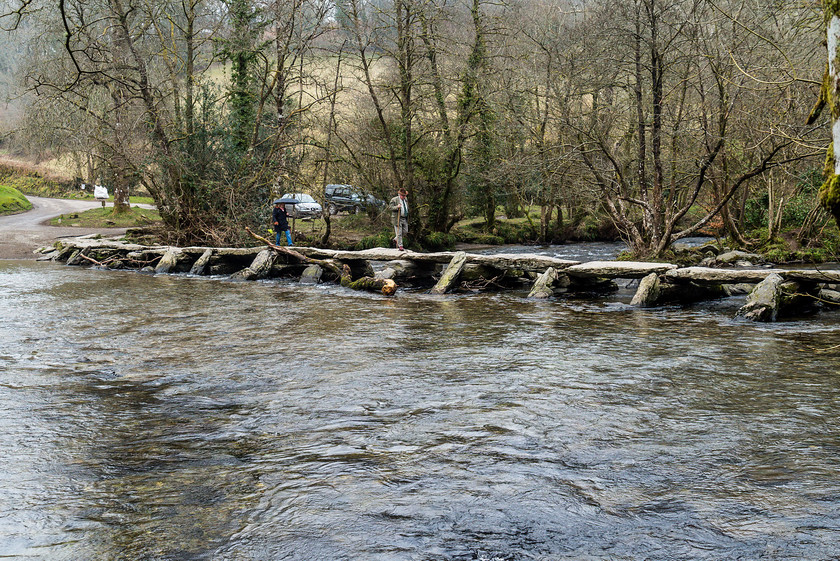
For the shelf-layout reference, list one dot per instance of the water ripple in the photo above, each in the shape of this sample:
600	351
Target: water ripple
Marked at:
184	418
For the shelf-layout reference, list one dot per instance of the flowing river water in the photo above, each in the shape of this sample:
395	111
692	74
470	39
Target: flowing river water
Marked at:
178	418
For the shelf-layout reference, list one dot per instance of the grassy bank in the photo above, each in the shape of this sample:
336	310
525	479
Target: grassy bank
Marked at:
45	181
12	201
105	218
362	232
30	180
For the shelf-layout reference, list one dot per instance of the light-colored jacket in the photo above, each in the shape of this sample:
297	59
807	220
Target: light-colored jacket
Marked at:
395	206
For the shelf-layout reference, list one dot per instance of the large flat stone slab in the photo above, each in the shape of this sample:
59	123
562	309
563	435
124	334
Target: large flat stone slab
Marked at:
708	275
617	269
812	275
524	262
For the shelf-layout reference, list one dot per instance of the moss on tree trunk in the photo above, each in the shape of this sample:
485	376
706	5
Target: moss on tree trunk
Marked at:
829	194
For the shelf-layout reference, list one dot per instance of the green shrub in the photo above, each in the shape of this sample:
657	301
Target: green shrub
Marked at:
483	239
438	241
589	230
755	212
512	232
358	221
795	211
382	239
796	208
12	200
504	232
777	254
467	233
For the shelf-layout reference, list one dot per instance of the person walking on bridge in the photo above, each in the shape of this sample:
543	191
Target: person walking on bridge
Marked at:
399	216
281	222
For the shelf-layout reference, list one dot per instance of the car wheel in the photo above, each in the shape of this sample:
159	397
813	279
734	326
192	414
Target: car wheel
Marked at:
356	210
332	209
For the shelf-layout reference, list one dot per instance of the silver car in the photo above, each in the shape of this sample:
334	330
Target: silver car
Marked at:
306	208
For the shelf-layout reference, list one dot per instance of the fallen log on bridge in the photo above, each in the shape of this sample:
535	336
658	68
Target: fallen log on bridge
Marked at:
386	286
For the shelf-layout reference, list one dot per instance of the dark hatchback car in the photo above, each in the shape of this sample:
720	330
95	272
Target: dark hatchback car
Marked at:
346	198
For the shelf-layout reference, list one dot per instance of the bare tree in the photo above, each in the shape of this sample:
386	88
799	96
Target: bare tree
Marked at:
428	88
698	114
209	159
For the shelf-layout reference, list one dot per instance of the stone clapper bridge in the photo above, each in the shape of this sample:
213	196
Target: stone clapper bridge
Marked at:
772	293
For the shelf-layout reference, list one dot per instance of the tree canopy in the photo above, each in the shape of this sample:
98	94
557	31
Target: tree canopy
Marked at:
663	117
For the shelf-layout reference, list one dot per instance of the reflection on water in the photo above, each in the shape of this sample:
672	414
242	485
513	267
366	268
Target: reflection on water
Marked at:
166	417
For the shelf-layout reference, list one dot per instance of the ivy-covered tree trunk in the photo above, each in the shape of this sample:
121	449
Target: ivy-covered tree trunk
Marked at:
240	51
474	101
830	95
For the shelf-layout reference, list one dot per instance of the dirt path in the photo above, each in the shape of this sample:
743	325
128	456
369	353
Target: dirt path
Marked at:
21	234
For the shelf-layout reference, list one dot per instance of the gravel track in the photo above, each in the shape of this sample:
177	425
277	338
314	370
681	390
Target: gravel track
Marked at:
21	234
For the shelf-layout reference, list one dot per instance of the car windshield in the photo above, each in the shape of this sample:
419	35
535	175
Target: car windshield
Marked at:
302	197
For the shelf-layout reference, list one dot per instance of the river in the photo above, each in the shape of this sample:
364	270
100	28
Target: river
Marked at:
178	418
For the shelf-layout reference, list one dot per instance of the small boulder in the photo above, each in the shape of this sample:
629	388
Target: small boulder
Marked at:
764	301
738	258
403	268
200	266
830	297
543	285
710	248
311	275
647	295
737	289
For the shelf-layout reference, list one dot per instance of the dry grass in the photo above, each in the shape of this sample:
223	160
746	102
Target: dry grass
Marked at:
50	170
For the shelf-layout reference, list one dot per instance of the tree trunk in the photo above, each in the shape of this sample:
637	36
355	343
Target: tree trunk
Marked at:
325	238
830	94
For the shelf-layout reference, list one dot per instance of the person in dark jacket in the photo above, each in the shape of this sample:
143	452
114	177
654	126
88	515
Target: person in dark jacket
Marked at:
281	222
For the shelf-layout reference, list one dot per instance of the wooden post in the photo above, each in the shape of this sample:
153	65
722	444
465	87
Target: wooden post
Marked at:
451	274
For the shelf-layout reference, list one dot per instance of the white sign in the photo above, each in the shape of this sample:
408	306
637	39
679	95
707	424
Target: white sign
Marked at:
100	192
